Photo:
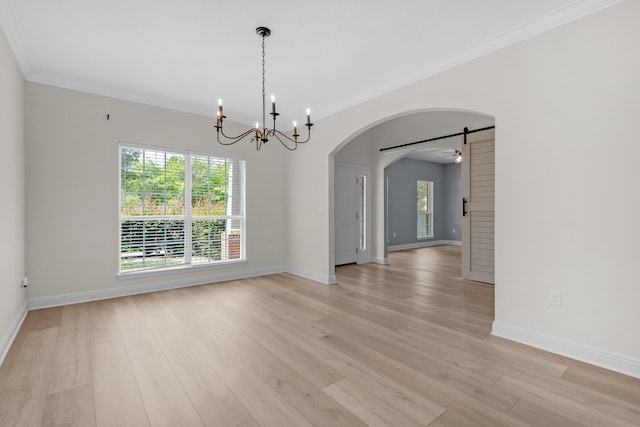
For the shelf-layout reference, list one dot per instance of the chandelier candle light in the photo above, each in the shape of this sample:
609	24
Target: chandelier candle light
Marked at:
262	135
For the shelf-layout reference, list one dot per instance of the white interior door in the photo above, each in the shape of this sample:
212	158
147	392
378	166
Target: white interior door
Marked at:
346	215
478	183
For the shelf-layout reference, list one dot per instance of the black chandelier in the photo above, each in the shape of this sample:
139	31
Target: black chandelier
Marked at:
261	136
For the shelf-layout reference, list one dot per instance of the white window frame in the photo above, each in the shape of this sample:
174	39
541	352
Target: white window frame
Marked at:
428	215
362	212
365	251
187	217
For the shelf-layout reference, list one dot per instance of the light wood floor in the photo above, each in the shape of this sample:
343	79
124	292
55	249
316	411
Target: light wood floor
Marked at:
401	345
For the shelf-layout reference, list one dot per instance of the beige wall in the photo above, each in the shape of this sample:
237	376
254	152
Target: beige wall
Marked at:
564	101
72	188
12	246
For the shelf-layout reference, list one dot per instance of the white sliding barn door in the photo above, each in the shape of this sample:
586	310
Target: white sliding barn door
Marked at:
478	182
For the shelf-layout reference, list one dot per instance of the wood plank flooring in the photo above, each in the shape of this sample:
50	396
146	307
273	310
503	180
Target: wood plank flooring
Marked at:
406	344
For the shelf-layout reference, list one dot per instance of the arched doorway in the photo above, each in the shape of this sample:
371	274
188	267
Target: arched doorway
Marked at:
363	150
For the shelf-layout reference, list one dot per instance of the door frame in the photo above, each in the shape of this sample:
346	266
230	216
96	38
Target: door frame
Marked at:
362	256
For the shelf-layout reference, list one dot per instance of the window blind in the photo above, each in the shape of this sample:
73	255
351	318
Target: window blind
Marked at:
179	208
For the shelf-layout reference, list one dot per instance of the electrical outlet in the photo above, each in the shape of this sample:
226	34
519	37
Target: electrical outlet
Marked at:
394	235
555	298
24	283
454	231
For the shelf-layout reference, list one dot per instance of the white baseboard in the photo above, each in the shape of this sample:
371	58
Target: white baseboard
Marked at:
384	261
364	259
11	333
80	297
327	280
75	298
579	352
423	245
54	301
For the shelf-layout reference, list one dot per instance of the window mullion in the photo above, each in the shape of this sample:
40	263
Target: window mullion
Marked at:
187	209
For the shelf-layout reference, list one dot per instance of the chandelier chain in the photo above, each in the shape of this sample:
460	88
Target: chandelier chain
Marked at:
263	62
264	113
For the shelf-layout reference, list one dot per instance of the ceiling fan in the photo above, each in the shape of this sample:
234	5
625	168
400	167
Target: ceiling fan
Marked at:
456	153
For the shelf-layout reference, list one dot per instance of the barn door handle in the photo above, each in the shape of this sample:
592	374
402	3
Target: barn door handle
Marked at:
464	207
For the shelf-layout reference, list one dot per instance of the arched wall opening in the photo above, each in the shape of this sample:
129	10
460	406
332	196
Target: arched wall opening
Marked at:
363	149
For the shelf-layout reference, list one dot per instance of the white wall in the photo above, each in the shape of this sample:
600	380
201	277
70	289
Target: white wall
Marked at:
72	188
12	248
561	100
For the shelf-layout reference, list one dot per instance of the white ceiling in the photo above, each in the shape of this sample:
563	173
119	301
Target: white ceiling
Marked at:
436	155
325	55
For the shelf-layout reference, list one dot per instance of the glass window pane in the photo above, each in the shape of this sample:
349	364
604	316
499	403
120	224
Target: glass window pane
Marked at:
151	243
424	209
362	212
422	226
206	241
153	188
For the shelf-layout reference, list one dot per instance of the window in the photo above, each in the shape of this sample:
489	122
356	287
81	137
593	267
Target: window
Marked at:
425	209
362	212
179	208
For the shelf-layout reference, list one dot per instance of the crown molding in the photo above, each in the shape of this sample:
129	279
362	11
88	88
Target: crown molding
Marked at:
111	92
549	21
13	33
553	19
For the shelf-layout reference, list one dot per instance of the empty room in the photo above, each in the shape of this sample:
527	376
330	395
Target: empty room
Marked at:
326	214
